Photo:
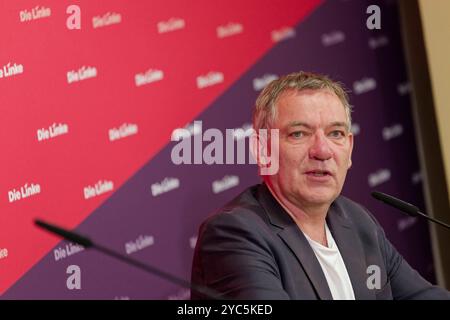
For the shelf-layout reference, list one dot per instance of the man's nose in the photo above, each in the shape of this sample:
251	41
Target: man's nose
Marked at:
320	148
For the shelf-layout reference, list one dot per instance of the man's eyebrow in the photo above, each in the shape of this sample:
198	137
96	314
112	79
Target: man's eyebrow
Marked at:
299	124
338	124
304	124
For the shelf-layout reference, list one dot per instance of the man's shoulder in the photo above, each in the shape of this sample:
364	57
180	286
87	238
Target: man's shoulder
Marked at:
243	208
353	211
349	204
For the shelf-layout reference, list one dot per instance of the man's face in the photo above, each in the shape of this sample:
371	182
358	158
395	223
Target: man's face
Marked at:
315	147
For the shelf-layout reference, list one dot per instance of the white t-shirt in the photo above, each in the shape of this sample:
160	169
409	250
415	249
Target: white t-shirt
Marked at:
333	267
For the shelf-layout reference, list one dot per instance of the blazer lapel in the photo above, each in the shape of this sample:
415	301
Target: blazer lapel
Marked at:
296	241
351	249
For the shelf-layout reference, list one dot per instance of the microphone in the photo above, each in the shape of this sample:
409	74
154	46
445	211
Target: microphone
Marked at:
88	243
405	207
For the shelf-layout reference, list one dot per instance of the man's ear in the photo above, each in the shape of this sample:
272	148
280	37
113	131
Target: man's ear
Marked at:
350	137
265	150
258	147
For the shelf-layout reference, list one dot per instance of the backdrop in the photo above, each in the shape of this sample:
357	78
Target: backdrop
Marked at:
91	93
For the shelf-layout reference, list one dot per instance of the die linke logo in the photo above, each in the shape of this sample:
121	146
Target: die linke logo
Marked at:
164	186
378	42
142	242
416	177
229	30
11	69
392	131
171	25
101	187
332	38
213	152
25	191
282	34
34	14
406	223
364	85
106	20
245	131
379	177
3	253
52	131
125	130
404	88
182	294
226	183
192	129
81	74
261	83
189	130
209	79
67	251
149	76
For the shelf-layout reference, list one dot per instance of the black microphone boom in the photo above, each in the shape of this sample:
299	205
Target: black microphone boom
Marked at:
88	243
405	207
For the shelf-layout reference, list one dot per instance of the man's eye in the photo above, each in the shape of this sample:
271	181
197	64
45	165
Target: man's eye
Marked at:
337	134
296	134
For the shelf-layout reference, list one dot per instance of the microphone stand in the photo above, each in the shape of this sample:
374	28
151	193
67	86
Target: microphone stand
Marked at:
88	243
405	207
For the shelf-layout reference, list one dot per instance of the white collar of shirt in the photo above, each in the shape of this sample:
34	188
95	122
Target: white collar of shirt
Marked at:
333	267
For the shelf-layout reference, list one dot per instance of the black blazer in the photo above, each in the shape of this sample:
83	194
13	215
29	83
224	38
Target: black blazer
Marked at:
253	249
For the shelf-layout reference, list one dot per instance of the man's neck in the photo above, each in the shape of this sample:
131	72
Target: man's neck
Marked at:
310	220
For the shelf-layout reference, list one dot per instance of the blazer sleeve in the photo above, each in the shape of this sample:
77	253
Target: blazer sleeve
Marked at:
233	257
405	282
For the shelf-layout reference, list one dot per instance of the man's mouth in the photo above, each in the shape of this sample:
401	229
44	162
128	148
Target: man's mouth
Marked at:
319	173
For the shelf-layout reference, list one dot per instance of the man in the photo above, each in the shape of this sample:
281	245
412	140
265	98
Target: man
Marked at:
294	236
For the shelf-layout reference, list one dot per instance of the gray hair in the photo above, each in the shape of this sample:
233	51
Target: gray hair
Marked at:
264	113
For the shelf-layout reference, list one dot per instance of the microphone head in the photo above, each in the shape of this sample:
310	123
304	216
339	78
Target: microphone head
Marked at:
396	203
377	195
